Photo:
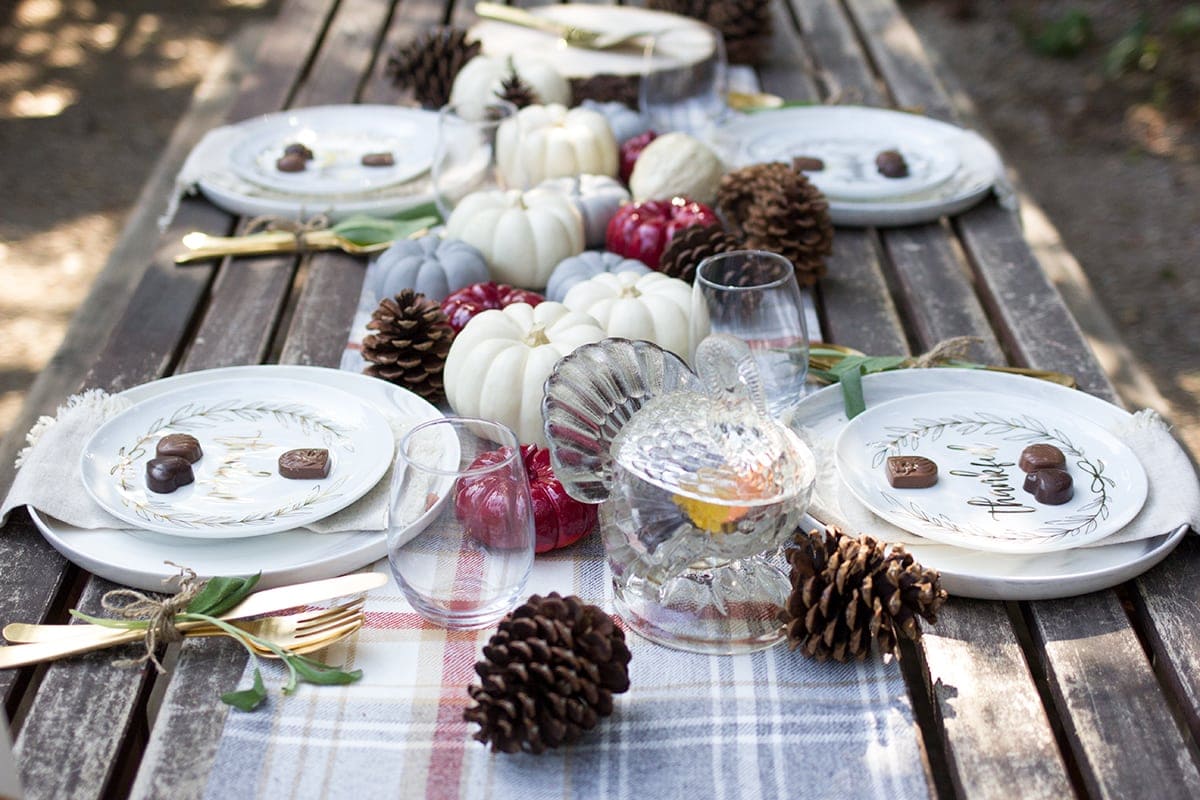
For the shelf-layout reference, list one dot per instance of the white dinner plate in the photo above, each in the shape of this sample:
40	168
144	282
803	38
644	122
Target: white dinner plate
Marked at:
979	501
243	427
989	575
952	168
338	136
138	558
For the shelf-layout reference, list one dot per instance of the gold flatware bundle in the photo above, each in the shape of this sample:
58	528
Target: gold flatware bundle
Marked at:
572	35
311	630
202	246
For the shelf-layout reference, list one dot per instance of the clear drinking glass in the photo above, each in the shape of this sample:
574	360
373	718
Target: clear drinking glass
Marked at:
464	158
464	487
684	80
753	295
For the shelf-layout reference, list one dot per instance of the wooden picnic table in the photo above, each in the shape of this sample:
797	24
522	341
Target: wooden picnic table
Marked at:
1097	696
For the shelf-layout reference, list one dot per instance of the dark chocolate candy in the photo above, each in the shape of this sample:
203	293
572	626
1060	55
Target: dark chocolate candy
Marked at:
1052	487
183	445
891	164
1041	456
297	149
807	164
165	475
1030	482
378	160
911	472
292	162
305	464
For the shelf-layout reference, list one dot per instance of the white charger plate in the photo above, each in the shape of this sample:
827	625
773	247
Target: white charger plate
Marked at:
136	558
979	502
243	427
338	136
783	133
1001	576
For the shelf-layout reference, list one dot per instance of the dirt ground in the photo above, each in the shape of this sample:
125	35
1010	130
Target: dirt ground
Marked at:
90	91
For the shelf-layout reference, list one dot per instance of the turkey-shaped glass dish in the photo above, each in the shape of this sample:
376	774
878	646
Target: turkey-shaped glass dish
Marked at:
698	486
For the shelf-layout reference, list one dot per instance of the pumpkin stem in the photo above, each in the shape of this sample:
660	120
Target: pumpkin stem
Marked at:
629	291
537	336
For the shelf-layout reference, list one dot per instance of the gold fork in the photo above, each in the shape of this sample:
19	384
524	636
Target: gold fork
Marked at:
572	35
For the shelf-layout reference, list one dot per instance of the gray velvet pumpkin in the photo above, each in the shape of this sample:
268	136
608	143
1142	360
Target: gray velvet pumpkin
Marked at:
431	265
596	197
589	264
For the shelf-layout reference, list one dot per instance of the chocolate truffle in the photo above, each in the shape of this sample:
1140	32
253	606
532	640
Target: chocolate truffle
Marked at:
891	164
378	160
307	463
911	472
1041	456
807	164
165	475
183	445
297	149
292	162
1052	487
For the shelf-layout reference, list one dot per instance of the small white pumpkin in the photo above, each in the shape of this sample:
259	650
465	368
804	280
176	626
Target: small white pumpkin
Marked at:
586	265
653	307
550	141
478	82
676	165
499	363
624	121
596	198
431	265
523	236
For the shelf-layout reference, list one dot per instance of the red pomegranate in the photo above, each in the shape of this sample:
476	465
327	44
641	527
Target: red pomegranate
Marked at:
631	149
459	307
643	230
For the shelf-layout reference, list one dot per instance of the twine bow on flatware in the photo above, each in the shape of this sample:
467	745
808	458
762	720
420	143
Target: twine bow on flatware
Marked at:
158	614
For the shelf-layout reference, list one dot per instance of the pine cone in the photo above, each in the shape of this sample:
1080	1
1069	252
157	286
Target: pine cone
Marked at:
411	342
846	591
773	207
606	88
429	63
692	245
548	674
745	25
515	90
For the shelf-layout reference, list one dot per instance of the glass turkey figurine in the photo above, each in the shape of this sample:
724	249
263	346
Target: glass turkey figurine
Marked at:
698	486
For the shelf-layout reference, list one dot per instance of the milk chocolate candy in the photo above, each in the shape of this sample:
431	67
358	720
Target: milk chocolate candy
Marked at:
292	162
308	463
1041	456
1052	487
165	475
1030	482
891	164
183	445
911	472
808	164
378	160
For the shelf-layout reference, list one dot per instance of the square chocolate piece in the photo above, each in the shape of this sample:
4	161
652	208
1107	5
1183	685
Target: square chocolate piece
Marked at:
308	463
911	472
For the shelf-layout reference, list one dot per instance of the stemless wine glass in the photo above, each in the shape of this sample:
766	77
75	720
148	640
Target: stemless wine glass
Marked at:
464	158
464	487
753	295
684	80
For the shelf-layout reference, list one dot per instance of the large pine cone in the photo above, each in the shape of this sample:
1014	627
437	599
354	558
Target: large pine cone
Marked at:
745	25
430	62
773	207
548	674
692	245
411	341
847	591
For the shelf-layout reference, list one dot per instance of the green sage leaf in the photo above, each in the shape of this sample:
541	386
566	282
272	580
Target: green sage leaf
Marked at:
109	622
247	699
317	672
852	393
364	230
221	594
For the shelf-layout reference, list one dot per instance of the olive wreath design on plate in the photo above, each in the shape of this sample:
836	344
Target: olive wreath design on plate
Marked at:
195	417
1012	429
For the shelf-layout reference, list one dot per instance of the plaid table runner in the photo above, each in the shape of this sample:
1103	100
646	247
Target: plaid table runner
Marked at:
767	725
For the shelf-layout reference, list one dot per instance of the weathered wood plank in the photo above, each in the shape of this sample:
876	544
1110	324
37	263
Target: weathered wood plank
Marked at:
346	55
325	310
844	73
410	18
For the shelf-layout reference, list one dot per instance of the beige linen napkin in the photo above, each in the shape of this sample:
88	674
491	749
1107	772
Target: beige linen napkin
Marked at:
49	480
1173	498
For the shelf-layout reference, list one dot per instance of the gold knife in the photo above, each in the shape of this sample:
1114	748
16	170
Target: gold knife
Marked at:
76	639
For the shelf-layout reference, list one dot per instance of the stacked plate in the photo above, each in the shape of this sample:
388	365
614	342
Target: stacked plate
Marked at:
240	515
977	525
240	168
947	169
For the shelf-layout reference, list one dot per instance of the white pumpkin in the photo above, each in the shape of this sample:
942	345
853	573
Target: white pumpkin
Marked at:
624	121
676	165
499	362
523	236
596	198
478	82
653	307
587	264
550	141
